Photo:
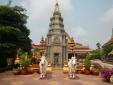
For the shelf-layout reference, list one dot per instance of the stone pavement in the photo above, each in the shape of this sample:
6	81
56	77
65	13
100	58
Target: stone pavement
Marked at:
56	78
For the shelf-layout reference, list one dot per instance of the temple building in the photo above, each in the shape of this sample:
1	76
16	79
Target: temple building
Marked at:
77	49
58	46
109	42
41	46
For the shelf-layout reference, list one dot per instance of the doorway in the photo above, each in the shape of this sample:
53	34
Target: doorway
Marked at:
56	59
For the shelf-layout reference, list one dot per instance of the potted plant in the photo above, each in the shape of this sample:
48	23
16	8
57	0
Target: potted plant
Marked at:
87	64
24	62
95	68
80	69
24	66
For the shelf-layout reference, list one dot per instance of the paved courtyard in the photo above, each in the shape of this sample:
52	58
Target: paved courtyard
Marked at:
56	78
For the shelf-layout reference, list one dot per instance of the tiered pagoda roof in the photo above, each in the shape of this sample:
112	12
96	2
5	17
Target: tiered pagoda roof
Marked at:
71	45
76	47
41	45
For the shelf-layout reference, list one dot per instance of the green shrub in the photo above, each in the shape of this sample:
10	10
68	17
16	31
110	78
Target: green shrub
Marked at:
25	63
87	63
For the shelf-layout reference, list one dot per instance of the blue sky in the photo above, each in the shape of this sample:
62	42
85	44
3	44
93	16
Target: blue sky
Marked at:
88	21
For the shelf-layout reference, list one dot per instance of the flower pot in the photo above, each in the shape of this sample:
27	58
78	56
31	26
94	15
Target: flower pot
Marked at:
49	69
16	72
30	70
95	73
24	72
65	69
87	72
36	68
79	72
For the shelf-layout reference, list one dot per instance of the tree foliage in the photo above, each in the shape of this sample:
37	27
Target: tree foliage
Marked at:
87	63
101	52
96	54
13	31
107	49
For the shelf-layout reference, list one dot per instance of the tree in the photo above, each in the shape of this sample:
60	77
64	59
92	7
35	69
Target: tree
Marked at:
107	49
98	45
13	32
87	63
96	54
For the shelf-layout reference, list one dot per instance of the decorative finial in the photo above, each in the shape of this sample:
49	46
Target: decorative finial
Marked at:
42	40
57	7
57	1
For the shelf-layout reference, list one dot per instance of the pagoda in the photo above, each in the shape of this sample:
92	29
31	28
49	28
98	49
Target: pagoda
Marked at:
56	42
58	46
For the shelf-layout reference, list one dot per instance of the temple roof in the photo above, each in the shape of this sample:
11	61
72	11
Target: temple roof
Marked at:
109	41
41	45
72	45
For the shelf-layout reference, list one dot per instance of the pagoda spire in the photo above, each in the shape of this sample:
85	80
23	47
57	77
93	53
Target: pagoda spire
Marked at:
57	7
56	19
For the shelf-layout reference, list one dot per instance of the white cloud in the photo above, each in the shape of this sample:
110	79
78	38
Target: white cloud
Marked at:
80	35
108	38
108	16
42	9
81	32
78	32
